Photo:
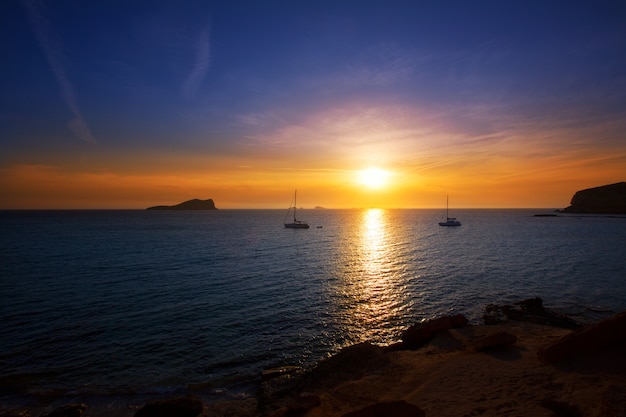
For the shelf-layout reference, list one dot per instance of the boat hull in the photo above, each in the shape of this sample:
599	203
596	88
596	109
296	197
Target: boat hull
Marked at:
297	225
450	223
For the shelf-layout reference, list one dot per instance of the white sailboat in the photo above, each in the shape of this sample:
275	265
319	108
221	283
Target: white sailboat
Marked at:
295	224
450	221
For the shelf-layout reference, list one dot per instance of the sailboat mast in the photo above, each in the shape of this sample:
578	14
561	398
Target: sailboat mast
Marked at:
295	204
447	215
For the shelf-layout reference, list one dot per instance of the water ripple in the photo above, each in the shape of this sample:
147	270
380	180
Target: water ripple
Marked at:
134	299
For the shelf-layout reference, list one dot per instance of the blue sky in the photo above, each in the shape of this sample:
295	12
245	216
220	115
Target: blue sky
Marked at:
228	91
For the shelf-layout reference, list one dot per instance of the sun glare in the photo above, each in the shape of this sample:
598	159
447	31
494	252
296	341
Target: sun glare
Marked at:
373	177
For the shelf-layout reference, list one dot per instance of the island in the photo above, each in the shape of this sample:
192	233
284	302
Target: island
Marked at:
194	204
606	199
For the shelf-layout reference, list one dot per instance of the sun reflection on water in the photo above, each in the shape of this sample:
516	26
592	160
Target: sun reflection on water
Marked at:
375	296
373	244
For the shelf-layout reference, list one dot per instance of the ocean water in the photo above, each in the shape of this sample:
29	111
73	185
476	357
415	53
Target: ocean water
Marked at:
134	302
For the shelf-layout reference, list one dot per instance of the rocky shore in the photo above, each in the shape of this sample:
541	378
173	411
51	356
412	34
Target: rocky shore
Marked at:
525	361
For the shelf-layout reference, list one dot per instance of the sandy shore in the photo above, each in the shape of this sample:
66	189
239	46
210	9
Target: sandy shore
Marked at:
447	377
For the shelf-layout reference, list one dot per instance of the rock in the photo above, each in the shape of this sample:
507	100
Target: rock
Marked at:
194	204
394	347
531	311
69	410
232	408
190	406
589	339
458	320
348	364
297	406
303	403
16	412
388	408
279	382
495	341
19	383
606	199
419	334
561	408
613	402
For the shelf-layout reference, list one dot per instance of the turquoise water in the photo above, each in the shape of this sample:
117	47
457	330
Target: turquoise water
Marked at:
106	303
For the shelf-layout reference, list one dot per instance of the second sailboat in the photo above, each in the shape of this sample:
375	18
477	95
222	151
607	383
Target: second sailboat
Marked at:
295	224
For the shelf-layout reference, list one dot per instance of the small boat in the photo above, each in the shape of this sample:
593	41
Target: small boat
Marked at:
450	221
295	224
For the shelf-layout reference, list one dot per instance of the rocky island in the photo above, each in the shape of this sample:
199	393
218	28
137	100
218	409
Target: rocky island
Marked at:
194	204
606	199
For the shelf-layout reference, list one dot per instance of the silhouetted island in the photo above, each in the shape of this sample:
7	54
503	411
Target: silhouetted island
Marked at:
194	204
607	199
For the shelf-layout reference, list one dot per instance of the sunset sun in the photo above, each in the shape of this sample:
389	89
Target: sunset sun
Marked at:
373	177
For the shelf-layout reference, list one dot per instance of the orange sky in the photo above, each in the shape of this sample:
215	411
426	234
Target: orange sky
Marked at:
513	172
468	101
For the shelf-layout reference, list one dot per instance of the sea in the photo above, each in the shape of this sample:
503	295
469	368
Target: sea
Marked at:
115	307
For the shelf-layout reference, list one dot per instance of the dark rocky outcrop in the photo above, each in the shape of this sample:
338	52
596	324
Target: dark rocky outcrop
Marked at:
190	406
590	339
348	364
285	395
531	311
388	408
194	204
15	412
496	340
561	408
607	199
279	384
298	406
70	410
420	334
613	402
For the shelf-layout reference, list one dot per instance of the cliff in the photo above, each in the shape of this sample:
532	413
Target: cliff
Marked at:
194	204
607	199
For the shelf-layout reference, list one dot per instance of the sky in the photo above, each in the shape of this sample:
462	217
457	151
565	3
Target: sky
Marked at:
393	104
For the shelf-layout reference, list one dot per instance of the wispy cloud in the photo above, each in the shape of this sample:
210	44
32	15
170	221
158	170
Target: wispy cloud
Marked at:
382	64
201	65
56	59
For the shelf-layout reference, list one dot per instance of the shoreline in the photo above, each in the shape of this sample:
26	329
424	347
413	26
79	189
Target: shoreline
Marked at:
450	374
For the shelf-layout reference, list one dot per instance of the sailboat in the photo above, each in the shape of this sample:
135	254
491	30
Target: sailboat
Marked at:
296	224
450	221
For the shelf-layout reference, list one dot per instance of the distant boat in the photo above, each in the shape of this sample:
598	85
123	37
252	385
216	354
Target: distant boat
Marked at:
450	221
296	224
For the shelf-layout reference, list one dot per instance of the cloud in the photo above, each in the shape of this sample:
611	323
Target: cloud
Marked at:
56	59
201	65
80	129
381	65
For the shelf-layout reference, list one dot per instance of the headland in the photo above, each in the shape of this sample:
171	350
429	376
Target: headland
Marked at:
606	199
